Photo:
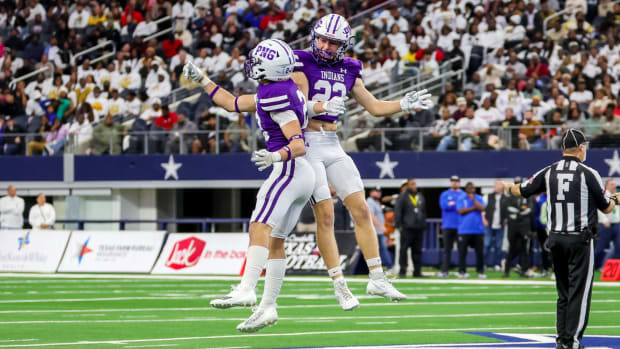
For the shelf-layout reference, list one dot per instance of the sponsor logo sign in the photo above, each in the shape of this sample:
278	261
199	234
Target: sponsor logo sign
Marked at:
32	251
112	251
203	253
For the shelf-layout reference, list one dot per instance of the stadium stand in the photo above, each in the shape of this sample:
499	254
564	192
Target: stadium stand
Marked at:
104	77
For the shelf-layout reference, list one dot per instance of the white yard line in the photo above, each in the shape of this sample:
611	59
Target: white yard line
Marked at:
377	323
134	278
18	340
297	319
128	310
294	334
151	346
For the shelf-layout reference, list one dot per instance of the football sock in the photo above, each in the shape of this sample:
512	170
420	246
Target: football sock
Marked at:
376	273
335	272
274	276
254	265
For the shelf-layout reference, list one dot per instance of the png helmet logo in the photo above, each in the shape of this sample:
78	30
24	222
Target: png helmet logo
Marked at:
185	253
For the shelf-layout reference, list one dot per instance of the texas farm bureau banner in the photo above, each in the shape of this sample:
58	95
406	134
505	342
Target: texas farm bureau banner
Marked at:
32	250
203	253
303	257
112	251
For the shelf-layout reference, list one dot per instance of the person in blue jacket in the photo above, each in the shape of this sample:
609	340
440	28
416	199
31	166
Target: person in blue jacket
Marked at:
449	220
471	229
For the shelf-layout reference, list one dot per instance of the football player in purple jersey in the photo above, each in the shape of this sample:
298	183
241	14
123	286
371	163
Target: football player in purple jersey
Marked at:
327	77
324	73
282	116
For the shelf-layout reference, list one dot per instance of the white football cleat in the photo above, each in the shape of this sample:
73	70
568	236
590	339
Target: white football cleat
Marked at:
261	318
237	297
383	288
344	296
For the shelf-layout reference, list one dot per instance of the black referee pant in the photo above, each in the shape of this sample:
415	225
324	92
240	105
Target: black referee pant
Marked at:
573	263
411	238
517	243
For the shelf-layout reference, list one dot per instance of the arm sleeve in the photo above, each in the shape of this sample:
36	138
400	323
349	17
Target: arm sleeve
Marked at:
535	184
596	188
284	117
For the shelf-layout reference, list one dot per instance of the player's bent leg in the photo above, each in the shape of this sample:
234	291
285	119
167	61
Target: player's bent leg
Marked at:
323	208
244	294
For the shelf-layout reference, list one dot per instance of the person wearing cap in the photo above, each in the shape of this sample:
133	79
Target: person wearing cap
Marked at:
575	193
410	219
449	221
378	219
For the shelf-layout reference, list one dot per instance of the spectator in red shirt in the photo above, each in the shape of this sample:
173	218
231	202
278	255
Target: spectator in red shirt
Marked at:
269	21
171	46
129	10
167	119
537	67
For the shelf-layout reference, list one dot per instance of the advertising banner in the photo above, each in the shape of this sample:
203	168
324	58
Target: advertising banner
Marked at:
303	257
32	250
203	253
112	251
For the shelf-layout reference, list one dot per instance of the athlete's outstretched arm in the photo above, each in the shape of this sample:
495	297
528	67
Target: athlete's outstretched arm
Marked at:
221	97
411	101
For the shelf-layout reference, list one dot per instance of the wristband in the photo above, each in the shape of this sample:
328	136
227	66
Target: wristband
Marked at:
217	87
236	105
295	137
288	152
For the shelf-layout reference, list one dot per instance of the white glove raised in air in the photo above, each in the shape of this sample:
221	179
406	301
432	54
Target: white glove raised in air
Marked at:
194	73
334	106
416	100
264	158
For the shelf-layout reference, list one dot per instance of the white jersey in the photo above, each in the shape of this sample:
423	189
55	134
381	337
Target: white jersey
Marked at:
11	212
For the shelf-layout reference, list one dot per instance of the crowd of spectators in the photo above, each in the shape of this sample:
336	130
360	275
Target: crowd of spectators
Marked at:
526	79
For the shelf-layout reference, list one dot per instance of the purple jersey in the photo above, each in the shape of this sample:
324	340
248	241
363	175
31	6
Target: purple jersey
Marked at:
279	97
327	81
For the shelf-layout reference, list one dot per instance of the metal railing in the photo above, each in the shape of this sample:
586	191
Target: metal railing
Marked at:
206	224
557	14
14	82
161	32
93	49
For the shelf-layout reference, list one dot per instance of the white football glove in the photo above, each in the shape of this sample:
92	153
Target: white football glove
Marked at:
416	100
264	158
334	106
194	73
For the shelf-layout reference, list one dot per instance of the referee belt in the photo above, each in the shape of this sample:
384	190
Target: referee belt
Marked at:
567	232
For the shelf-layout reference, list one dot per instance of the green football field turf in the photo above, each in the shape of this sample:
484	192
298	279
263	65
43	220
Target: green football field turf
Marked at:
73	312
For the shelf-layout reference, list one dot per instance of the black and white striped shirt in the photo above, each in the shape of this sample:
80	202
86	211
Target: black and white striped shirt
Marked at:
574	193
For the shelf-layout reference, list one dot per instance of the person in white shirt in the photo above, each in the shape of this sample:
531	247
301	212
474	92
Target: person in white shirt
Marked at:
218	60
181	58
581	95
152	78
514	68
131	79
468	130
33	108
36	9
538	108
11	210
79	18
161	89
82	132
182	12
132	104
146	27
99	102
111	75
42	215
152	113
488	113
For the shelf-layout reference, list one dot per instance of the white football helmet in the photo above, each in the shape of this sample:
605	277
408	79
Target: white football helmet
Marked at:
270	60
333	28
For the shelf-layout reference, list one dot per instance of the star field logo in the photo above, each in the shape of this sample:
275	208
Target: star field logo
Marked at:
23	241
84	250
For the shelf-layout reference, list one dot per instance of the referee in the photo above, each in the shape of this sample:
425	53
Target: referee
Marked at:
574	193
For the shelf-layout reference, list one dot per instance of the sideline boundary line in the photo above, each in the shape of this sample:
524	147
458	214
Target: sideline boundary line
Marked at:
289	278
